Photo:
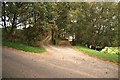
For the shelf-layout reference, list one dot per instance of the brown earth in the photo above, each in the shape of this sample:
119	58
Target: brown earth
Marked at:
65	43
57	62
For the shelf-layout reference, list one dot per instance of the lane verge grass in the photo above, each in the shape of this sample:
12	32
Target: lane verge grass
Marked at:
98	54
23	47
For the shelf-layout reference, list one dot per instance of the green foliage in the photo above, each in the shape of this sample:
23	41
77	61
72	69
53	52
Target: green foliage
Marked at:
98	54
93	24
111	50
23	47
33	34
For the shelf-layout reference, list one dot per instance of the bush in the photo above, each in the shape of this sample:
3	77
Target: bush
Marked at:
33	35
111	50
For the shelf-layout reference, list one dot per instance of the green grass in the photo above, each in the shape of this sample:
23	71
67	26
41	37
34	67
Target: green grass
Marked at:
98	54
23	47
111	50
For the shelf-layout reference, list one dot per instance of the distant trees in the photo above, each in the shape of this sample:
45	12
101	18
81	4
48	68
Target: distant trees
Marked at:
118	23
97	24
94	24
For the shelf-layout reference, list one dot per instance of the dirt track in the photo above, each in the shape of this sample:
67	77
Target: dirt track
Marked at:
58	62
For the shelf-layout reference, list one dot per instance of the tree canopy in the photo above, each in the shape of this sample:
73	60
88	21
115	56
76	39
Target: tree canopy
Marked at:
93	23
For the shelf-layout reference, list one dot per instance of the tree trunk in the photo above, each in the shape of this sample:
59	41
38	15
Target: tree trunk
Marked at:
13	24
4	15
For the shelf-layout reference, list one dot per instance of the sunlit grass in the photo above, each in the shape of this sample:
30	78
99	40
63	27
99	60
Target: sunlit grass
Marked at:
23	47
98	54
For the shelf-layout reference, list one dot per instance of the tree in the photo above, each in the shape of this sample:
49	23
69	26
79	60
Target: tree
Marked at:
93	23
11	14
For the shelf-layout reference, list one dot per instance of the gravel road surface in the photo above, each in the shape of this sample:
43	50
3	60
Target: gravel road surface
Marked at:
57	62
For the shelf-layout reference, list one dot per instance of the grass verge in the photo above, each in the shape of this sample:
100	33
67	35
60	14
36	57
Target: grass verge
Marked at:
98	54
23	47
